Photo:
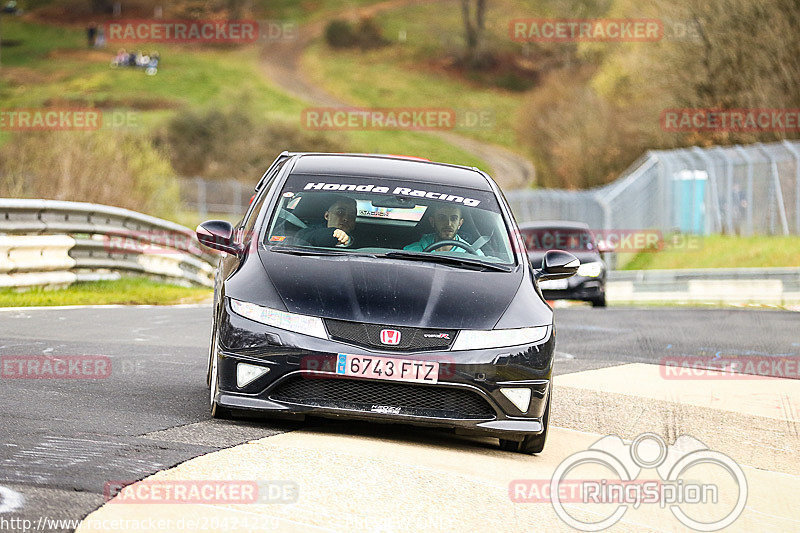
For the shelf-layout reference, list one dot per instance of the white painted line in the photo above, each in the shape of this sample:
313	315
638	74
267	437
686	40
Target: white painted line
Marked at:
767	397
10	500
107	306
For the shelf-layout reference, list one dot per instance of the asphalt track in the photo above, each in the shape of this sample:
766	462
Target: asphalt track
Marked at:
64	440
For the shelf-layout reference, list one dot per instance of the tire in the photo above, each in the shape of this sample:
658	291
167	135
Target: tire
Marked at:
599	302
217	411
211	355
532	444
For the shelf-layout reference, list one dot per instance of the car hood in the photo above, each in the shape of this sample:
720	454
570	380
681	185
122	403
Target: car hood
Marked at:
390	291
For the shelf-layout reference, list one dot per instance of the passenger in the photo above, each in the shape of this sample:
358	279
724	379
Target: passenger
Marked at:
121	58
446	222
340	220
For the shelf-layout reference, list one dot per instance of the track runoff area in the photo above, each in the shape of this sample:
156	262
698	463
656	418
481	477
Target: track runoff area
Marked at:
654	427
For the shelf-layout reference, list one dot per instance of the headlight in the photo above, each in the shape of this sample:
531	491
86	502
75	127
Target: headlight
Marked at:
307	325
591	270
470	339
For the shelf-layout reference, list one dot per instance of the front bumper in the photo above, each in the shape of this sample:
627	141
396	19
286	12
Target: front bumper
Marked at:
295	359
579	288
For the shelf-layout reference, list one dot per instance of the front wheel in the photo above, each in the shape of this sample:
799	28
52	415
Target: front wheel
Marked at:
217	411
531	444
599	302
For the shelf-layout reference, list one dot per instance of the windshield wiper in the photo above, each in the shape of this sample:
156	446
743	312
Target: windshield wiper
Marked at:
448	259
298	250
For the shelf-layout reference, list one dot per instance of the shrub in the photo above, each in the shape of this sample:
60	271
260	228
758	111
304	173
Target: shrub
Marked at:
105	167
369	34
229	143
339	34
365	35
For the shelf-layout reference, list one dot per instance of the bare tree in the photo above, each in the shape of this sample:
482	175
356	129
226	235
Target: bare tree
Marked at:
474	26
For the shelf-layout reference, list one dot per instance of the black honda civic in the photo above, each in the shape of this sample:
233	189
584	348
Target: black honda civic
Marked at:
589	284
383	288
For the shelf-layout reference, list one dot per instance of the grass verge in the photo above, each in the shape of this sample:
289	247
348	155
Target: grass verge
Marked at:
51	67
722	251
128	290
410	72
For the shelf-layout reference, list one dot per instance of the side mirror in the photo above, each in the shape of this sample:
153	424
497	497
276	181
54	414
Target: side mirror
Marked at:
217	234
558	264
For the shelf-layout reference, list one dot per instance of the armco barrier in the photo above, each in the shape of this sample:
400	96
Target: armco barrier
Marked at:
48	242
774	286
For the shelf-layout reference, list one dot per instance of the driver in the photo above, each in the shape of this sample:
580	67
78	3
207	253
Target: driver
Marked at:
446	222
340	220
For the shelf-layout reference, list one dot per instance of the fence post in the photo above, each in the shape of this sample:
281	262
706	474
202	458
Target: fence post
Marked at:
202	208
666	196
776	180
728	189
793	150
749	212
712	182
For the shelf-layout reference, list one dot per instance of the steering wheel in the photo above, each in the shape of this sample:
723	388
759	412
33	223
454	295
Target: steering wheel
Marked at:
449	242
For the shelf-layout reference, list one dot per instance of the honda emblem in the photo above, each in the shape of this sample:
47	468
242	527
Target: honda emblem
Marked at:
390	337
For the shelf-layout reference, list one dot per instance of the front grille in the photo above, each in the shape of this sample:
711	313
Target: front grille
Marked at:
369	336
362	395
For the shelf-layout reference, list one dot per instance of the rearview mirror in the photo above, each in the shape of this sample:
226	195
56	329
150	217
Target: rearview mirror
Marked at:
558	264
398	202
217	234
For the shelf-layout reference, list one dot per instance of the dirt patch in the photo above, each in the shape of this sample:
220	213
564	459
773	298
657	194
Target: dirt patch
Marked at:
512	72
89	56
139	104
22	76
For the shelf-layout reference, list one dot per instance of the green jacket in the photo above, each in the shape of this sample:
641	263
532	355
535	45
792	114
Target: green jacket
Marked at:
430	238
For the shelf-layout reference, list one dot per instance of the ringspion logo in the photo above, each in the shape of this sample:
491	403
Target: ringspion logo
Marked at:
687	476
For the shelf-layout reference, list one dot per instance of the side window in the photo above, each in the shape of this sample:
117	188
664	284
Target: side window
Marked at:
249	221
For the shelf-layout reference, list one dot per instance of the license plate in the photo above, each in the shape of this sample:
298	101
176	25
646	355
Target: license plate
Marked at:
367	366
554	285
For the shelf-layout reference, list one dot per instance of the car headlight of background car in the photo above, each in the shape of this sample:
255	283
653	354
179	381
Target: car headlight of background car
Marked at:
307	325
590	270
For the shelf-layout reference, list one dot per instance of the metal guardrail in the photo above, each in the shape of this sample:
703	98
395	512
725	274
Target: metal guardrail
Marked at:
49	242
779	286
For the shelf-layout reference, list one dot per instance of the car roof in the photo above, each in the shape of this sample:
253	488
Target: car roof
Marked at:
390	166
564	224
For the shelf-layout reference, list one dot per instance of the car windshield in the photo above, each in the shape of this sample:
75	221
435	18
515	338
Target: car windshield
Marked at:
380	216
569	239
